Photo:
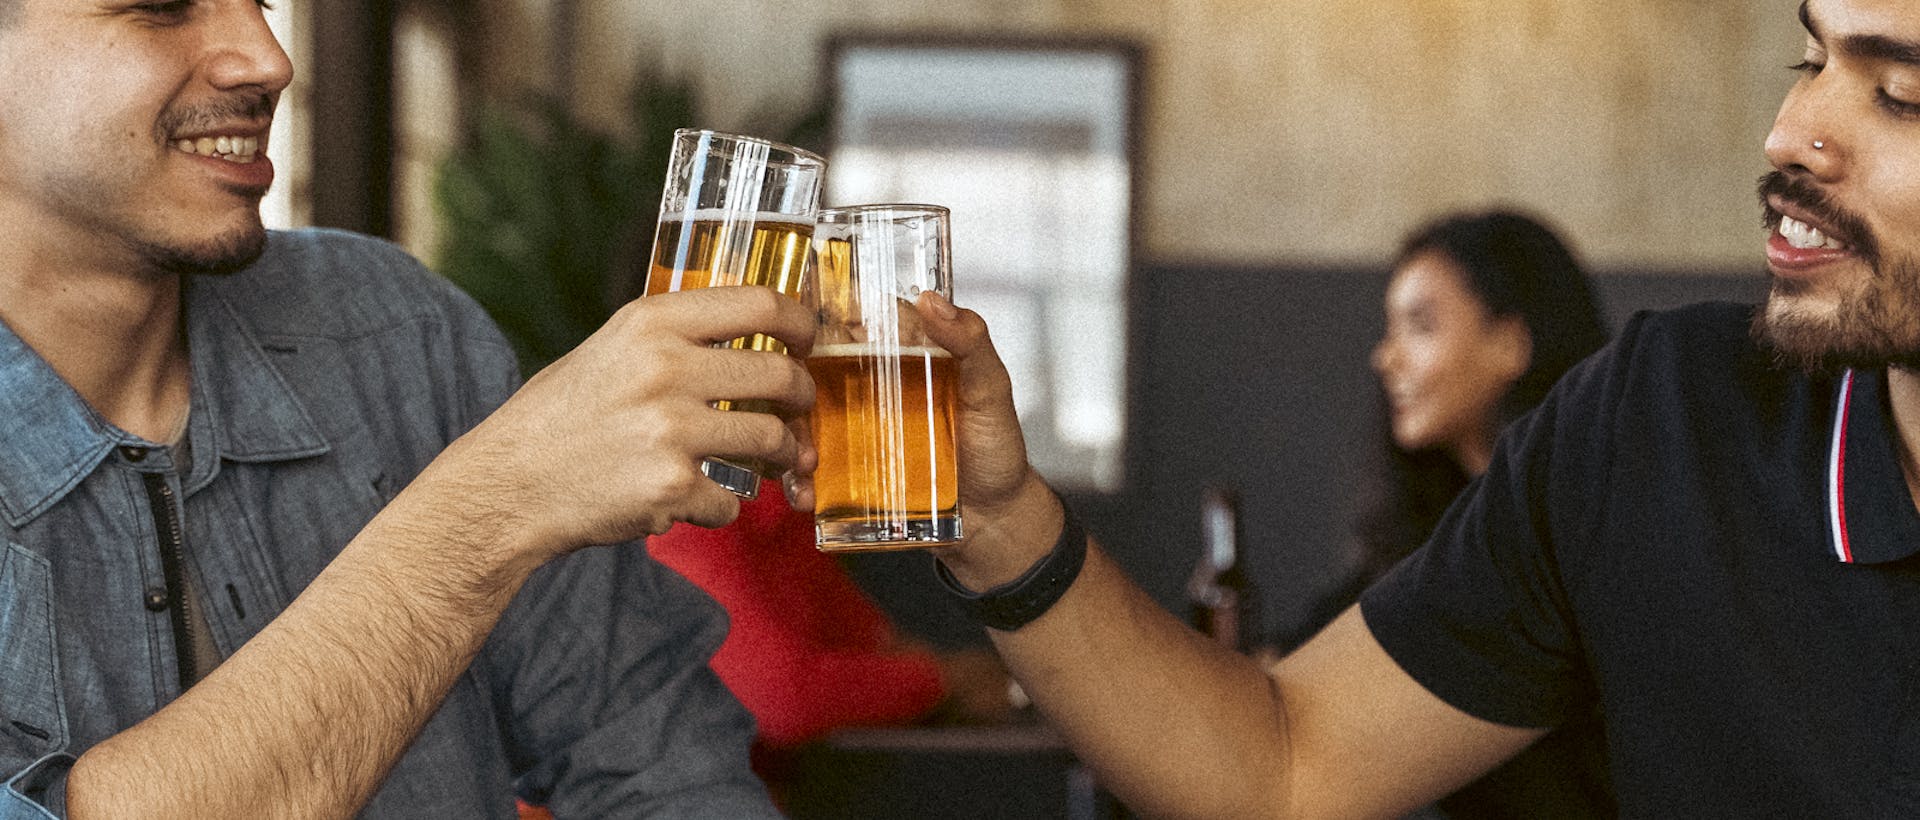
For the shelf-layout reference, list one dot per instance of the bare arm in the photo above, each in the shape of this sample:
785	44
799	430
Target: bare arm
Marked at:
307	718
1173	723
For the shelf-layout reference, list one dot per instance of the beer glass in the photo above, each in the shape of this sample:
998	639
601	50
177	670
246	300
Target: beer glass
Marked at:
736	211
883	416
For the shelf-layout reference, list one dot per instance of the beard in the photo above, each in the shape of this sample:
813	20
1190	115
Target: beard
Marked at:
241	245
222	255
1872	325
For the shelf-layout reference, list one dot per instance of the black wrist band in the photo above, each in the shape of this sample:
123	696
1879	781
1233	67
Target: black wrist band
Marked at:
1016	603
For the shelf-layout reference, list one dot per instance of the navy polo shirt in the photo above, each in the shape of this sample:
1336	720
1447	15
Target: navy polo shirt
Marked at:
1716	551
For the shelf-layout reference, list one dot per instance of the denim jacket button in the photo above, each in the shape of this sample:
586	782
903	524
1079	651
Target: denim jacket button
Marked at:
134	454
156	599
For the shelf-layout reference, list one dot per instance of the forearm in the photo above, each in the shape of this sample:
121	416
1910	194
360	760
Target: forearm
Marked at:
1172	722
306	719
1180	727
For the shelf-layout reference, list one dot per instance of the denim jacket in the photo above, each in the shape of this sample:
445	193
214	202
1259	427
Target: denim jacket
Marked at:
324	378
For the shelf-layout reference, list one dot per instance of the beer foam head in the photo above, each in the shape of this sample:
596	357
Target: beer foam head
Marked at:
724	215
877	349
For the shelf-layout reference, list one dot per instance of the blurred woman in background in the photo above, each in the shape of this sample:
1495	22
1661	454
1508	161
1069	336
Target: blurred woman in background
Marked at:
1484	313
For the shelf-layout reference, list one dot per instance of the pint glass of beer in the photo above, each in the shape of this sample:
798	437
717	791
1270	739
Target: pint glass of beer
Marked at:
883	415
736	211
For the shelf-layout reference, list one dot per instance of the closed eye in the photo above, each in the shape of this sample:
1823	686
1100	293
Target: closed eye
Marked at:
1896	106
166	11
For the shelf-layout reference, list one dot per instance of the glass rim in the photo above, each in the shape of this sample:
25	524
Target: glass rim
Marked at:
902	208
801	156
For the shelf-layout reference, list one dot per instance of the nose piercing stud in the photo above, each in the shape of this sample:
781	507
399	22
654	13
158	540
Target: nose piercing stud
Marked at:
1817	145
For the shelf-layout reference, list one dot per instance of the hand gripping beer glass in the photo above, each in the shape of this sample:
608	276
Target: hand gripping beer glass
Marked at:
883	415
736	211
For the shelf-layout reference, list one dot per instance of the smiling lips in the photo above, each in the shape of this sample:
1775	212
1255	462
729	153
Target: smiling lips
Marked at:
237	149
1401	399
1800	245
1806	237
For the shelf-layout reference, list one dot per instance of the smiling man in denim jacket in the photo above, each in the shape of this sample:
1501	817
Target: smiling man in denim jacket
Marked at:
274	539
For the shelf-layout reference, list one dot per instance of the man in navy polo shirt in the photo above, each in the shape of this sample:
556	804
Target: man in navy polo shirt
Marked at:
1708	532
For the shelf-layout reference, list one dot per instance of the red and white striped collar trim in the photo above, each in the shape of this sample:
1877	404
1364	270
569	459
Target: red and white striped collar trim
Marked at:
1837	473
1870	513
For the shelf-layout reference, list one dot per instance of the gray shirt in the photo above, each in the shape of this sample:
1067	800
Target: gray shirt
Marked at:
324	378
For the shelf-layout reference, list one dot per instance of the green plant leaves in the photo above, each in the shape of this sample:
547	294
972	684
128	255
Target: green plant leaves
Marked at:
547	222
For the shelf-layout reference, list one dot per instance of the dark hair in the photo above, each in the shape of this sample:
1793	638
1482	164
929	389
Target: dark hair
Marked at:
1516	266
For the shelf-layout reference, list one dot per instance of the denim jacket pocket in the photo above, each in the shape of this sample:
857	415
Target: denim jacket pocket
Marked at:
33	718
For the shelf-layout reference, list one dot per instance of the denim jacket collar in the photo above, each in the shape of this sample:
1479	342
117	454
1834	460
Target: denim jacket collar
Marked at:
253	412
243	409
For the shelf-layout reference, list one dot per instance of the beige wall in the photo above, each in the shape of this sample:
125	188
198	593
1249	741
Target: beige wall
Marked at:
1317	131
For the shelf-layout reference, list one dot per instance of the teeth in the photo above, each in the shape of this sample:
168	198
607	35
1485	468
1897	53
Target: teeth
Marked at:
232	149
1801	235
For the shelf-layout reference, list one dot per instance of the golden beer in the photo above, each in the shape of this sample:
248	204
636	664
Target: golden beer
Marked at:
883	421
835	296
735	210
686	253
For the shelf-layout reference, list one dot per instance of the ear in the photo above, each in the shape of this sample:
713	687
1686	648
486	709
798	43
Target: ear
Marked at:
1513	346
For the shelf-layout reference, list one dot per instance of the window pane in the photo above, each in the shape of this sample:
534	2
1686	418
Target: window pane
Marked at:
286	204
1028	150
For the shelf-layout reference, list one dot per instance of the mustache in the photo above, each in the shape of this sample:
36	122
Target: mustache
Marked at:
1818	204
249	106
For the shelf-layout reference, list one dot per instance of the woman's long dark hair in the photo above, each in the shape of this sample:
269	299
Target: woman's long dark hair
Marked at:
1515	266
